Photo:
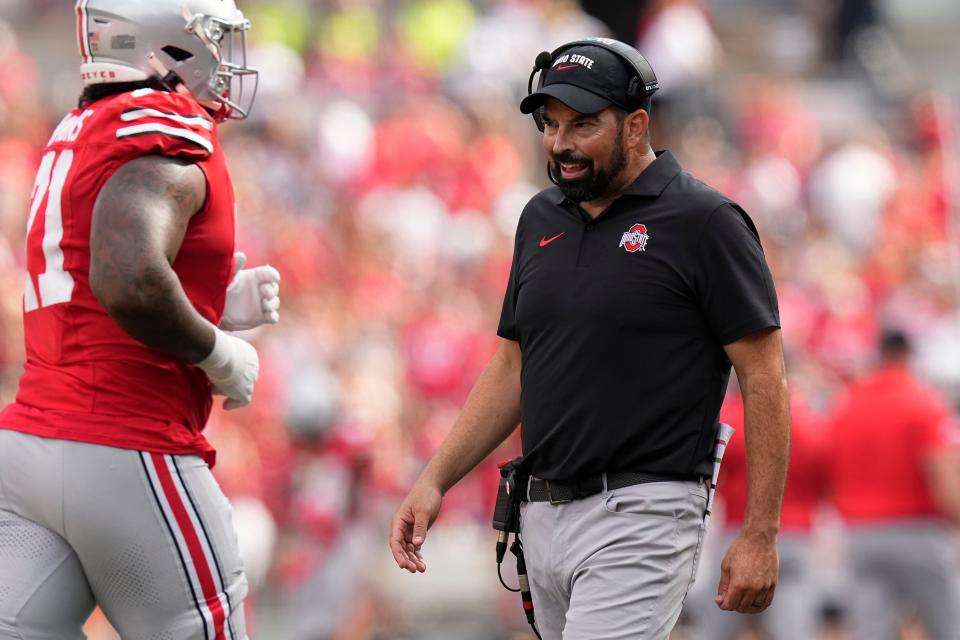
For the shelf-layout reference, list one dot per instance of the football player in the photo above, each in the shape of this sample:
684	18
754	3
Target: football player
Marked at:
106	495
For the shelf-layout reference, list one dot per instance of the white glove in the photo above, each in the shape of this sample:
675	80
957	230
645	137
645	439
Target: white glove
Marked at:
233	367
253	297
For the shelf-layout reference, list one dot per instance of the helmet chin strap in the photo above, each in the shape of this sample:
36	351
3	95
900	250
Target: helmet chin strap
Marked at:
173	82
169	78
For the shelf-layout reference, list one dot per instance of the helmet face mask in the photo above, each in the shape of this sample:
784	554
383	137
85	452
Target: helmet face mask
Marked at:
230	79
197	45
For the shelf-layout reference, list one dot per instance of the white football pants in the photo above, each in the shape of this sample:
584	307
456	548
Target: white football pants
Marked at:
147	537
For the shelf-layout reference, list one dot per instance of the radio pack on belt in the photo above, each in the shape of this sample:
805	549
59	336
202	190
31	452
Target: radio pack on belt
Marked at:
506	513
506	520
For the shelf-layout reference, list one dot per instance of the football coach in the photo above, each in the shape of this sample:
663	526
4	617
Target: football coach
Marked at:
633	289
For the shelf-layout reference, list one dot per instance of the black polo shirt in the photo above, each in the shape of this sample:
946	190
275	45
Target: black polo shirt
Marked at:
622	320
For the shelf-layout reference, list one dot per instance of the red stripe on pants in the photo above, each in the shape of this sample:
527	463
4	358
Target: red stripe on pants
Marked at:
189	533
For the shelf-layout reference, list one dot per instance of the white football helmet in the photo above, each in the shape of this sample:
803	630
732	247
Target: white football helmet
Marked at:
203	42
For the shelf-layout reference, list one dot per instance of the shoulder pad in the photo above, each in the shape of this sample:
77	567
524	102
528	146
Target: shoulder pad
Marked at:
162	123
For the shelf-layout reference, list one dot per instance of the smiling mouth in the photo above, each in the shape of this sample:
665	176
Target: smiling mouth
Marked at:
573	170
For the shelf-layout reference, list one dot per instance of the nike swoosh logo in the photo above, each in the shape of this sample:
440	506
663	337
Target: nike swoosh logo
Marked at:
544	241
566	66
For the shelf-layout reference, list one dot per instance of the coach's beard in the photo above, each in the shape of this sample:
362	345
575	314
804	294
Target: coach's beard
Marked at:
596	183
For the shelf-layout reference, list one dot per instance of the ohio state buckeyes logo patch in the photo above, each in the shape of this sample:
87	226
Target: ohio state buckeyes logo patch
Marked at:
635	239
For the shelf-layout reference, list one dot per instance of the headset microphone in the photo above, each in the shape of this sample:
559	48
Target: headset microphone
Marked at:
542	63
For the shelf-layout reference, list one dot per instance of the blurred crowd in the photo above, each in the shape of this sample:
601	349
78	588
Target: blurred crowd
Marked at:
383	172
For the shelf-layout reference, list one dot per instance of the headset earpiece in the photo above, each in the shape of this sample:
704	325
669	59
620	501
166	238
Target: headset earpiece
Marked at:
538	118
633	90
643	85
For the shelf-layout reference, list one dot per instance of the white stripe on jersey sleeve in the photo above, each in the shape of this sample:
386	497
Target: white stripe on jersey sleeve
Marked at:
176	132
193	121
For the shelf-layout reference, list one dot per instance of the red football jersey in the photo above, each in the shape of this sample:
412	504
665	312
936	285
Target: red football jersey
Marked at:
85	378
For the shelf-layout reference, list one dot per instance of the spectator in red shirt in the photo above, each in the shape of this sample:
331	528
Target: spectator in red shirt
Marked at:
793	615
896	485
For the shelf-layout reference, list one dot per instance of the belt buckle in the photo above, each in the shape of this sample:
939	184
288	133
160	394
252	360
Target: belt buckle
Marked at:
551	498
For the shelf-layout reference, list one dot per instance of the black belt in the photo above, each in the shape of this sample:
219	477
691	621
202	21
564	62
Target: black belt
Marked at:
560	491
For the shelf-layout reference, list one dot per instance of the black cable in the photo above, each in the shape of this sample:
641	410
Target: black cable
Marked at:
499	575
525	595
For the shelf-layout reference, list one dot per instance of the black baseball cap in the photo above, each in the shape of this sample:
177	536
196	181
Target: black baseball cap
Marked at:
586	78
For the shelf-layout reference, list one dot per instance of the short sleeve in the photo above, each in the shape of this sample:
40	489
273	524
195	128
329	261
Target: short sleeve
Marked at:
162	123
732	280
508	316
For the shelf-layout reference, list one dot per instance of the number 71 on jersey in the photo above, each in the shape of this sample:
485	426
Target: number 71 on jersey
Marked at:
55	284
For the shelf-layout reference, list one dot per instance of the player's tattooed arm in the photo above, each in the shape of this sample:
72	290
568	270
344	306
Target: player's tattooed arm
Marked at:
139	221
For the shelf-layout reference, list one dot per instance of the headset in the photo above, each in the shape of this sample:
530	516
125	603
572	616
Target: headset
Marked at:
641	87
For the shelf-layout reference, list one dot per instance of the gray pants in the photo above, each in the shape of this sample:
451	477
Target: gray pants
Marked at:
616	565
899	569
148	537
794	612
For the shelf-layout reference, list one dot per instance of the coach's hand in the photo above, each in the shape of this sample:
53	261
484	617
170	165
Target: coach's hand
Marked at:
748	573
408	531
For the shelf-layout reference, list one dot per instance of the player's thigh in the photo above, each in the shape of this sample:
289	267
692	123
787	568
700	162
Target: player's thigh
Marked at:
155	536
44	594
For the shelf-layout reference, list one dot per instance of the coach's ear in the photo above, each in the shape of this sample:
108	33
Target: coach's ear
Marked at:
636	130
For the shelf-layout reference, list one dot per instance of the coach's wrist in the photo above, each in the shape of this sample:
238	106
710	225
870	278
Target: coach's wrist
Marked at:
764	531
430	481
